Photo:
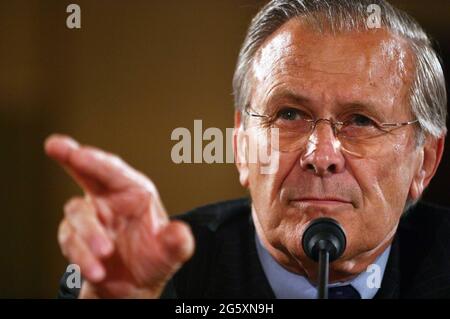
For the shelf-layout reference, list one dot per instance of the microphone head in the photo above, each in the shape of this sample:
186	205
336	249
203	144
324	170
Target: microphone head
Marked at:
324	233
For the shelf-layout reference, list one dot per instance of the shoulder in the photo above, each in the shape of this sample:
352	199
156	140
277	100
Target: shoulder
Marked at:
217	216
428	220
221	233
424	234
425	227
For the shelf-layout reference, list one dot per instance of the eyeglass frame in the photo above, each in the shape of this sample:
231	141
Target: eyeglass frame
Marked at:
333	123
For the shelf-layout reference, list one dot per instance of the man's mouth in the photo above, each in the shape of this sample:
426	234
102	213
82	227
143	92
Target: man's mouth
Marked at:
319	201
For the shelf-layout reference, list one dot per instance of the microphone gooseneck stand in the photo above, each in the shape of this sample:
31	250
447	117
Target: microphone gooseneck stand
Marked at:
324	241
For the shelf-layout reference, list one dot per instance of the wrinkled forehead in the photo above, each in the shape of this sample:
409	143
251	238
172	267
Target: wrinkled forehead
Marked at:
374	62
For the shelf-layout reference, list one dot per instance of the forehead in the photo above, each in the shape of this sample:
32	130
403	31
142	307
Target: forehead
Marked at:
373	66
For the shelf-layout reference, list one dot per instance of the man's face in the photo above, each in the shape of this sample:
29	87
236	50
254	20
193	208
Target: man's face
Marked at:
328	76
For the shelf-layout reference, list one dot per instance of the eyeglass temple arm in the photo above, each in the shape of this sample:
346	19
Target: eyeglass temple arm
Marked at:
398	124
255	114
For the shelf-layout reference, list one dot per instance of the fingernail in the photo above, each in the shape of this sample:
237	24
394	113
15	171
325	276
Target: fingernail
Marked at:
101	246
97	272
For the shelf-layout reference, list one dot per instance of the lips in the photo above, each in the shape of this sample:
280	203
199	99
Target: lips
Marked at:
321	203
322	200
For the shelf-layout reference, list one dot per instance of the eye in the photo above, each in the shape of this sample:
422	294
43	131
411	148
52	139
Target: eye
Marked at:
360	120
290	114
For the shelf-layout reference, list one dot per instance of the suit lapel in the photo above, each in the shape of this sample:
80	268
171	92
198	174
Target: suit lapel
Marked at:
237	270
258	281
390	285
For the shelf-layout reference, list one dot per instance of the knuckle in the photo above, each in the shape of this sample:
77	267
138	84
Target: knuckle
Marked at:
115	159
65	236
77	205
148	190
143	194
72	205
149	185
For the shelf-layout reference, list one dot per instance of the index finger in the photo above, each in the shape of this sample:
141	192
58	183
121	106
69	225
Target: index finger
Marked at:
92	168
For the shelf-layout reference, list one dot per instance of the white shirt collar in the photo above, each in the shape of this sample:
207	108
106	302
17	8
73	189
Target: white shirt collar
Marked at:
288	285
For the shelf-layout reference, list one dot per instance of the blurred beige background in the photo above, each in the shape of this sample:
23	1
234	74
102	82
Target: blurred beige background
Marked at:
134	71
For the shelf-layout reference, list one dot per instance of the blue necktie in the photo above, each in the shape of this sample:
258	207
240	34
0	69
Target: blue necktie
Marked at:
343	292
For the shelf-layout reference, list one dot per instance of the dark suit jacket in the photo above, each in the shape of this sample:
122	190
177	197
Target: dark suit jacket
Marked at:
226	265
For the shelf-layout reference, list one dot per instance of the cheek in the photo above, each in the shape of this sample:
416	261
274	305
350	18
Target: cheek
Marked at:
265	189
395	175
384	182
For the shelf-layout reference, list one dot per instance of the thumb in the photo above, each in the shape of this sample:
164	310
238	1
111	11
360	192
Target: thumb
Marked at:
177	243
176	246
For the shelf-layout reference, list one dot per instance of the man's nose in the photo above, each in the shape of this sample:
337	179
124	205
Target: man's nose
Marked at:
323	156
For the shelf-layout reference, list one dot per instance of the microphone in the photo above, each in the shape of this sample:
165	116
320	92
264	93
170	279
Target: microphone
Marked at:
324	241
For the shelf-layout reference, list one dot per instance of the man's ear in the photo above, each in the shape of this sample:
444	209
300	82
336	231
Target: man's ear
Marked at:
240	147
432	151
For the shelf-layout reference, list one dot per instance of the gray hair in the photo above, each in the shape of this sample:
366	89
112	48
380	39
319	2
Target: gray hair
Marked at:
428	98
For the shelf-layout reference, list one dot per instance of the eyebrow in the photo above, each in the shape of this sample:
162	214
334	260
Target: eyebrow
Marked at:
289	95
367	107
299	99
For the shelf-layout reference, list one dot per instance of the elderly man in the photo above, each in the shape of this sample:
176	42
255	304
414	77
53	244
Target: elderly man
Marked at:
359	113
